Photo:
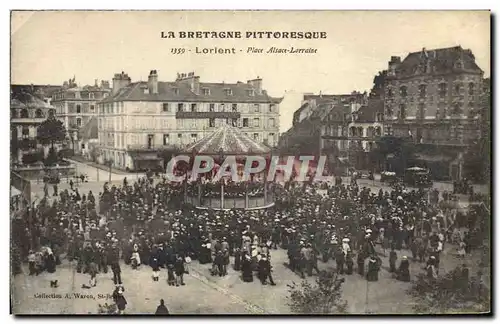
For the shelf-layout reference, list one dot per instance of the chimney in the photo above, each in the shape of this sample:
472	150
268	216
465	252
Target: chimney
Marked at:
153	82
120	80
192	79
393	65
104	84
96	84
256	84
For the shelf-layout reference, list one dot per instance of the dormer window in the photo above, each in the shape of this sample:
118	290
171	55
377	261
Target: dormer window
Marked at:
229	92
471	89
422	90
206	92
251	92
176	91
403	91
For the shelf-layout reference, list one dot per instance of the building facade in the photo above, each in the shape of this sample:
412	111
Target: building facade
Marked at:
315	123
432	97
137	120
29	107
76	106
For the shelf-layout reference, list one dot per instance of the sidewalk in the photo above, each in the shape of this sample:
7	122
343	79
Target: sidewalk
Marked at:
97	166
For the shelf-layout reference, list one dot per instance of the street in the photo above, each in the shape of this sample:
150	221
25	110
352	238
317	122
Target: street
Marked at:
206	294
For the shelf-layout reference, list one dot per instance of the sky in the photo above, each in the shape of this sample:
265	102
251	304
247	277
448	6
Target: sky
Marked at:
50	47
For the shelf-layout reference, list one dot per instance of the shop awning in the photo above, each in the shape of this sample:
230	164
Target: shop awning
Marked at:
434	158
147	158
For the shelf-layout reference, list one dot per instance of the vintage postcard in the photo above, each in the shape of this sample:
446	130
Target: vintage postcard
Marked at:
250	162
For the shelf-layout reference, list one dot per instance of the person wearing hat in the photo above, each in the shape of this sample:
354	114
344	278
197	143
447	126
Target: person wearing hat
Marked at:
403	273
373	269
393	257
179	270
156	269
246	267
361	263
50	265
162	309
119	299
237	259
431	268
32	263
340	260
349	263
264	271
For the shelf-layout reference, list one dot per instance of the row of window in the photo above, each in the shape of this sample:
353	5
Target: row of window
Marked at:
456	109
79	95
183	107
244	122
79	109
206	91
181	138
24	113
442	90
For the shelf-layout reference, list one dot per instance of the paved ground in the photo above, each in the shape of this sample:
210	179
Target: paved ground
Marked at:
205	294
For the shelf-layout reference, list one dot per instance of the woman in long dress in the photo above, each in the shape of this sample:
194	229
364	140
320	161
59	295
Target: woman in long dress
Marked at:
461	249
246	268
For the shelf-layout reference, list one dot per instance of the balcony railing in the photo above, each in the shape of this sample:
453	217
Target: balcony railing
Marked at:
207	114
147	148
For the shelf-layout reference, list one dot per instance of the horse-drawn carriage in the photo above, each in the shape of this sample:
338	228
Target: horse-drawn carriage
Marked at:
387	176
417	177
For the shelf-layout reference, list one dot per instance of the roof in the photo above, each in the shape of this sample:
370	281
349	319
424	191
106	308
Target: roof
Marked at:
89	130
229	140
41	90
328	98
322	110
167	92
21	97
440	61
368	113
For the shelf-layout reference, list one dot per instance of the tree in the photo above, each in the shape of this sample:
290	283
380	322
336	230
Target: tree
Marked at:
94	153
450	294
51	131
107	309
323	297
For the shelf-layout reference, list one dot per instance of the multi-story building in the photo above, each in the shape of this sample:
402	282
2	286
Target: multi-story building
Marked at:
139	119
365	129
76	106
432	97
29	107
314	129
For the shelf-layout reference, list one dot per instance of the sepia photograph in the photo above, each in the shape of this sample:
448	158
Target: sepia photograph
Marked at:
258	162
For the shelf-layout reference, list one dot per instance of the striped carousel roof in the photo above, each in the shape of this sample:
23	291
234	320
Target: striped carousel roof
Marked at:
229	140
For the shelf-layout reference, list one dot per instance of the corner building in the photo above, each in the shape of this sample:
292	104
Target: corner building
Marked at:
433	98
140	120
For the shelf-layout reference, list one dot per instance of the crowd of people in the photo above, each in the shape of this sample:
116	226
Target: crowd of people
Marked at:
146	224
